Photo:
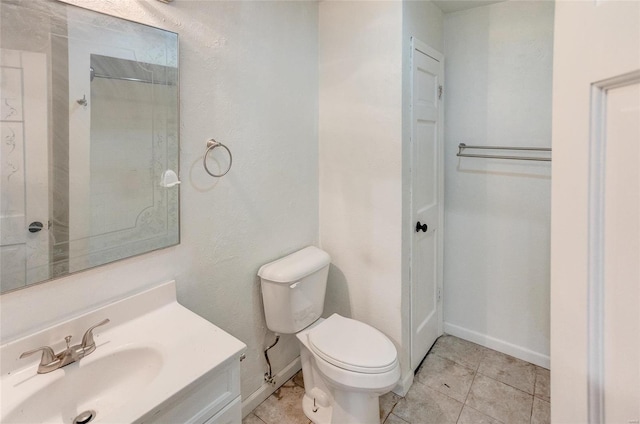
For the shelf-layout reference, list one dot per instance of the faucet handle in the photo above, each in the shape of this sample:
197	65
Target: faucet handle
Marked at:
88	344
48	356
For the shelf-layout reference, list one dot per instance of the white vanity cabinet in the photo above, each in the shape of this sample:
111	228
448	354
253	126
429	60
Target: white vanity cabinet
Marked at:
213	399
155	362
231	414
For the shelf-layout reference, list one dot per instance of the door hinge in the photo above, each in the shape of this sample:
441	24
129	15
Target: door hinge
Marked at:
439	294
439	92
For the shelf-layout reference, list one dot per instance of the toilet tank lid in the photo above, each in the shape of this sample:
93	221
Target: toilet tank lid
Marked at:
295	266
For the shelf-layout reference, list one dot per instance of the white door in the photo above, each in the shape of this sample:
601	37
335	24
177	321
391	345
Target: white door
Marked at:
595	274
426	199
24	191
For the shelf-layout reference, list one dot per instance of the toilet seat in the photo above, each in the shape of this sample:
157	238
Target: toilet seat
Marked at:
353	345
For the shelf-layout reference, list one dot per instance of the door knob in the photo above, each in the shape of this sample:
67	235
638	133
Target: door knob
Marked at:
422	227
35	226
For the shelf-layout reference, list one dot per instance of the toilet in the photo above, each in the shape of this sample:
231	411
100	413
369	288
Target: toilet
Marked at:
347	365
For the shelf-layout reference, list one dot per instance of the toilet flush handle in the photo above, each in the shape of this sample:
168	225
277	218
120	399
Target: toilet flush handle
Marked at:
294	285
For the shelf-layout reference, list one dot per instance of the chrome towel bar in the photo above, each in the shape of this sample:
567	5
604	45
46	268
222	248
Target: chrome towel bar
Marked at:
462	147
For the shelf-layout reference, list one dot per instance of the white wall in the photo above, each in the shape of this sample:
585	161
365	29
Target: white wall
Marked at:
360	137
498	73
364	176
249	78
583	55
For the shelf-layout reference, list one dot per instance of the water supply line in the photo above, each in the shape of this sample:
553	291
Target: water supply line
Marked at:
268	376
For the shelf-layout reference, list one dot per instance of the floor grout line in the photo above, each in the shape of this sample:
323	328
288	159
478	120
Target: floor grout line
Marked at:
387	419
506	384
475	374
480	412
535	381
259	419
467	397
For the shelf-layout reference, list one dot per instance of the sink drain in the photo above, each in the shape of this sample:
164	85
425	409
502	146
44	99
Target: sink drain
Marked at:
84	417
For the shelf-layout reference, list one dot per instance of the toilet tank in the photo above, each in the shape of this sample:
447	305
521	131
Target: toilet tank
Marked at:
293	289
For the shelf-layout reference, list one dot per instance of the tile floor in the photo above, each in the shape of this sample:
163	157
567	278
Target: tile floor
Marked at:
459	382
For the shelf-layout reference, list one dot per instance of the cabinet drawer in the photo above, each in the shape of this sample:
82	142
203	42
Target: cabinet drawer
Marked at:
201	400
231	414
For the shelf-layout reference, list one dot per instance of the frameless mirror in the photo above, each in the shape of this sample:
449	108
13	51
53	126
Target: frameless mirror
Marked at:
89	140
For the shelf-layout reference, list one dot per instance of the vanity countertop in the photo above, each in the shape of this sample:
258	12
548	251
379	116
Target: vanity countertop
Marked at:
152	349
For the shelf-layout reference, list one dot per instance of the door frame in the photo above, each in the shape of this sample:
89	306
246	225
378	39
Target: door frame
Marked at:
424	48
596	235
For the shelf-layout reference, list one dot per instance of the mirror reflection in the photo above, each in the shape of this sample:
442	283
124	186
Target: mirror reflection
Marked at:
89	131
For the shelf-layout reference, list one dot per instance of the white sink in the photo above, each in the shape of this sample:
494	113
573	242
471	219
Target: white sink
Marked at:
98	383
144	358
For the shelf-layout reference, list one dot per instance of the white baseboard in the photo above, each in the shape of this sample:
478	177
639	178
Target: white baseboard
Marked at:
260	395
404	384
519	352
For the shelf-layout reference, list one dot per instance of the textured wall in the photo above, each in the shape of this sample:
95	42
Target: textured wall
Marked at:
497	213
249	78
360	159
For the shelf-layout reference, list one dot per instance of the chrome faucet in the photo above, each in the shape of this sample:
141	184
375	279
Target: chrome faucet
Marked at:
51	361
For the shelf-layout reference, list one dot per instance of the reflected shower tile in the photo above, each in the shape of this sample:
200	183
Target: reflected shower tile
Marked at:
446	376
11	94
509	370
500	401
12	260
13	187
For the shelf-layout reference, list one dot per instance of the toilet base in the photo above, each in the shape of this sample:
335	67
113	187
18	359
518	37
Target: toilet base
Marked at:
322	414
347	408
337	402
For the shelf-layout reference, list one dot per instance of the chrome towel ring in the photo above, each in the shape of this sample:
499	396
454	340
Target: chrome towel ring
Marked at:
212	144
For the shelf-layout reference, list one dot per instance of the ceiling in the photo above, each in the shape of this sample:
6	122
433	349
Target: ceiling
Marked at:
448	6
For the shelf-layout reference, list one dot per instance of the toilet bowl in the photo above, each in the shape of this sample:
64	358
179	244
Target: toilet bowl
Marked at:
356	363
346	364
